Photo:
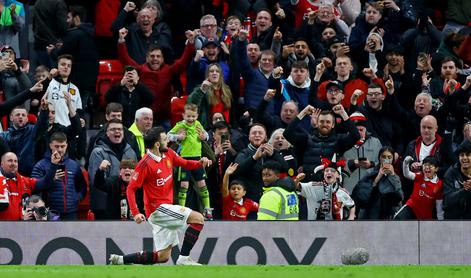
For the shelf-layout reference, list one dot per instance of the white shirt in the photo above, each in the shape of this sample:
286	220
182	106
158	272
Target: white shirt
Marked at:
55	95
425	150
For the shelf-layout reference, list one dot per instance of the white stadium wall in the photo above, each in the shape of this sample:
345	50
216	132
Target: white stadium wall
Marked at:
223	243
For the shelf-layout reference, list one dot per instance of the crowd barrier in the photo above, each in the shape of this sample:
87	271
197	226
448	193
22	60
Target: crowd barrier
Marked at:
221	243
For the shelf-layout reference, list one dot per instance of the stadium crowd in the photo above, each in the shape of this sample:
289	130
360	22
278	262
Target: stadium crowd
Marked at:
308	109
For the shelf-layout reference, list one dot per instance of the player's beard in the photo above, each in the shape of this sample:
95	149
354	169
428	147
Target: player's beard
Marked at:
163	149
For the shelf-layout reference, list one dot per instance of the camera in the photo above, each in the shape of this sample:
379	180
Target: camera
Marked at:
40	211
61	167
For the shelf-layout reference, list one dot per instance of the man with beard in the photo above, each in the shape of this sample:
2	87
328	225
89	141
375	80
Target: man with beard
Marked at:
154	173
324	142
69	186
117	205
113	148
299	51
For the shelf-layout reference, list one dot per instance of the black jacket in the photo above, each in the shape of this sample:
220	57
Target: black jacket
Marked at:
138	43
115	188
250	170
315	146
131	101
381	201
457	200
80	43
49	22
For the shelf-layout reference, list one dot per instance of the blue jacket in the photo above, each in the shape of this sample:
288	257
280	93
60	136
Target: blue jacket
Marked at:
22	141
66	193
197	72
256	83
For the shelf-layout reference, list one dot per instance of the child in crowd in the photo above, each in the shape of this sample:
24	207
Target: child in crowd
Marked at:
327	200
234	205
41	73
427	192
189	133
233	24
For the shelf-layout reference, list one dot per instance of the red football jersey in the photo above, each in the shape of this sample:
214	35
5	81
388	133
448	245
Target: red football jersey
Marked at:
155	175
423	197
232	210
11	192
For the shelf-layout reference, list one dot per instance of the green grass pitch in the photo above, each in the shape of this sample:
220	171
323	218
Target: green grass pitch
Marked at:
157	271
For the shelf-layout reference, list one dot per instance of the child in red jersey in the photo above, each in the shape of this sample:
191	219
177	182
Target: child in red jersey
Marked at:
426	194
234	205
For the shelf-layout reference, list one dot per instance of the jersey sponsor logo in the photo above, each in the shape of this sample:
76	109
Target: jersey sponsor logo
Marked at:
162	181
234	213
424	194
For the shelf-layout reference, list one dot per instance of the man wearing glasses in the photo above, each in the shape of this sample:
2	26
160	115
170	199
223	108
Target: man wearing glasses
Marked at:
208	31
112	148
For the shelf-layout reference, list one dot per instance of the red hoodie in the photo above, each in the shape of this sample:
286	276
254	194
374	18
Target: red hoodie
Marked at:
159	81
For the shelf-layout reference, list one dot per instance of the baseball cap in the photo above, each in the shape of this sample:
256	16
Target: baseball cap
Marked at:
332	83
210	42
335	40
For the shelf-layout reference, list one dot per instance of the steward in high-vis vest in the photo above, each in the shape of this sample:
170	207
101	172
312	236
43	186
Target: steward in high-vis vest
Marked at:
279	200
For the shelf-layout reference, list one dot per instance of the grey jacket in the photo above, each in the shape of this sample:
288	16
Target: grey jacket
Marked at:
101	152
368	150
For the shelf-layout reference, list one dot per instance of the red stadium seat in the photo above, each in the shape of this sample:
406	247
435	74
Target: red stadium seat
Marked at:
176	107
84	205
32	118
110	73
